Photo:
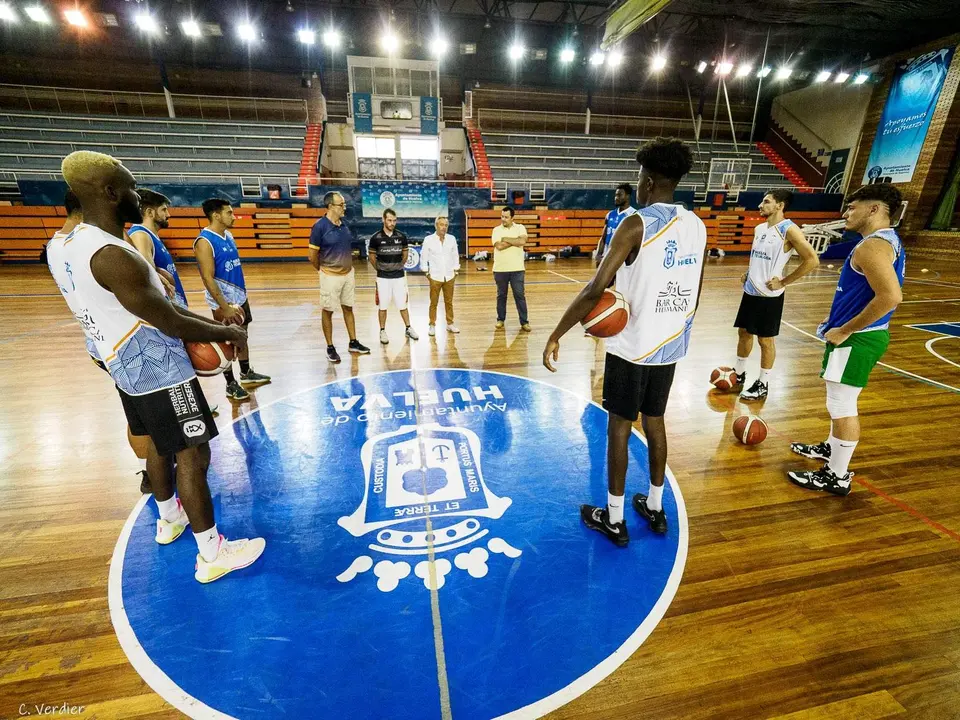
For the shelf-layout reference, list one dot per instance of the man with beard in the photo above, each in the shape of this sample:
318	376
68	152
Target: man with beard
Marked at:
156	215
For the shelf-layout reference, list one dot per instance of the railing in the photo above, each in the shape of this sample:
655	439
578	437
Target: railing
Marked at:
496	119
779	108
39	98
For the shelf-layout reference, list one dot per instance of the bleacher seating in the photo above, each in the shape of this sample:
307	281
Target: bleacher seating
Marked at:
157	149
592	160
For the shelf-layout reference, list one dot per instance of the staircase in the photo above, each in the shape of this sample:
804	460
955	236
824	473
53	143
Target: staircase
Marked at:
308	163
484	176
788	172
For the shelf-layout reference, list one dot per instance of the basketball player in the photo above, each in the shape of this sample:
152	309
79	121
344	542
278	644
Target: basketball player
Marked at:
621	199
761	309
657	257
156	215
331	254
118	298
226	294
388	255
856	331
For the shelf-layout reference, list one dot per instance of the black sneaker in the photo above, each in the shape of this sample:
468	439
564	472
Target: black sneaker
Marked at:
657	519
332	354
741	379
820	451
252	377
757	391
823	480
145	488
356	347
236	392
597	518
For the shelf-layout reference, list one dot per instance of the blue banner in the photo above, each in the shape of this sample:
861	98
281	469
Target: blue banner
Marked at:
906	117
362	113
407	199
429	110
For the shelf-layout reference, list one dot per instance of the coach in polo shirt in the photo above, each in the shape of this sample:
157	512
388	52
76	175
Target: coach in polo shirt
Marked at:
331	254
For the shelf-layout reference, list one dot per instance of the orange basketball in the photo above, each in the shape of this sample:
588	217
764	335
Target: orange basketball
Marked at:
210	358
723	377
749	429
608	317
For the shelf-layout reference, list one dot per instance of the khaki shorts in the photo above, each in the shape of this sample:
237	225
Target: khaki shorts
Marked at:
337	290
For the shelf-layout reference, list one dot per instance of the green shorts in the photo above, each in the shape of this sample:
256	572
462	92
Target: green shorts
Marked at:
851	361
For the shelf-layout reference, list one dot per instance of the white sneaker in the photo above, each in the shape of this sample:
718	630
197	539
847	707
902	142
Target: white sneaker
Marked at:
167	532
411	333
233	555
431	330
383	337
452	328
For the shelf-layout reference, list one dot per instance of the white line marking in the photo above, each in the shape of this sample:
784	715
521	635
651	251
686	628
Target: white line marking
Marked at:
929	347
566	277
948	300
889	367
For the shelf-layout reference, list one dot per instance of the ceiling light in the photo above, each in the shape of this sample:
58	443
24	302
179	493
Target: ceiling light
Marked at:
861	79
597	58
516	51
191	28
744	70
439	47
307	37
567	55
247	32
146	23
390	43
822	76
701	66
659	62
331	38
784	73
841	77
75	18
764	71
723	68
614	58
37	14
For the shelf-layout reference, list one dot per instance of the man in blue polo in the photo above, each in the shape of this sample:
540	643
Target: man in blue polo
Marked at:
331	254
621	199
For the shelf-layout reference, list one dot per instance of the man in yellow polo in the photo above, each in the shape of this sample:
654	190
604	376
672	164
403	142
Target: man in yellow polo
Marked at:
509	239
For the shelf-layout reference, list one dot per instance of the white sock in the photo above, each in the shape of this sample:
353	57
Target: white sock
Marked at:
741	367
765	375
615	508
655	498
840	453
168	508
208	543
143	464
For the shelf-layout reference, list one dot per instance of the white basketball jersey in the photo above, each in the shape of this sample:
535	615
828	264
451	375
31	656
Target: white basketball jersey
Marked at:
58	237
661	287
139	357
767	258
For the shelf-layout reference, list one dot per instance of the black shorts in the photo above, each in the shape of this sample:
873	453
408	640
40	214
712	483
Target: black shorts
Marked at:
175	419
630	389
759	315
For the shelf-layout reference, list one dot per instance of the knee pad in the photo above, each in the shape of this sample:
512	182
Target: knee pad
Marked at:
842	400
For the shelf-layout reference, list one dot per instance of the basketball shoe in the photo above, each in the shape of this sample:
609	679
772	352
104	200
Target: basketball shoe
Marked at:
757	391
597	518
657	519
232	555
168	531
251	377
824	480
820	451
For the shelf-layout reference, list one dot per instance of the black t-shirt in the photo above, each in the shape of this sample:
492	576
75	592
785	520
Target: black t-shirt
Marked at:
389	250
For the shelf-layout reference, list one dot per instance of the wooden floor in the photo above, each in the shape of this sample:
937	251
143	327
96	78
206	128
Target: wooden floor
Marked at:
793	604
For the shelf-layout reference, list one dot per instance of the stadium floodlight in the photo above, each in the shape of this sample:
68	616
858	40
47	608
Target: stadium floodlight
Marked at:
658	63
37	14
701	66
75	18
723	68
7	13
567	55
861	79
516	52
389	42
841	77
614	58
744	70
191	28
147	23
763	72
439	47
597	58
822	76
331	38
306	36
784	73
247	32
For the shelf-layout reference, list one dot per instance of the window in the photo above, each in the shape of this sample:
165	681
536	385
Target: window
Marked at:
420	82
402	76
419	149
396	110
369	146
362	79
383	81
378	168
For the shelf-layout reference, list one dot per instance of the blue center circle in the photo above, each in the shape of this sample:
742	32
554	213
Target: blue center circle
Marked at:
425	557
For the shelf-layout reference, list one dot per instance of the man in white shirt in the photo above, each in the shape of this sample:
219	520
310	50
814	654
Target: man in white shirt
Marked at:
440	260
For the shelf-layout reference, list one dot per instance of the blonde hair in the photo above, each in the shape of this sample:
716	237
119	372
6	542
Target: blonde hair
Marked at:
81	166
438	218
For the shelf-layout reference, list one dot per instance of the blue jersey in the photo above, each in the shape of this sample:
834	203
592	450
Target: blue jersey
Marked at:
226	267
614	218
854	292
164	260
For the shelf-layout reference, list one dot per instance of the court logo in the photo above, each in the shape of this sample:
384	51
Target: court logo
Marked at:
424	494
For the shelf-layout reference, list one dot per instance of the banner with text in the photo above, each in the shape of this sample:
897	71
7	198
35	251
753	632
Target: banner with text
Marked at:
429	109
362	113
407	199
914	92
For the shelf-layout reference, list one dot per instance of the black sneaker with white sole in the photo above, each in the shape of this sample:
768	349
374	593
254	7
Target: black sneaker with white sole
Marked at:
597	518
757	391
236	392
820	451
332	354
358	348
823	480
657	519
252	377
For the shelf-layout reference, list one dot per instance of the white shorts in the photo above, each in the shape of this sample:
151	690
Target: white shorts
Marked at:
337	290
392	291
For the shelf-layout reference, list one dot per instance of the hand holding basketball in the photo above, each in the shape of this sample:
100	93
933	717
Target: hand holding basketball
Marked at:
238	337
231	315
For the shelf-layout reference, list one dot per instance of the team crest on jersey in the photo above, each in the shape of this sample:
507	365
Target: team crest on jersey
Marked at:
424	495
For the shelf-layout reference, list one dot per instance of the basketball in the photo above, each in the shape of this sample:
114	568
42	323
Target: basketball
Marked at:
750	429
210	358
608	317
723	377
